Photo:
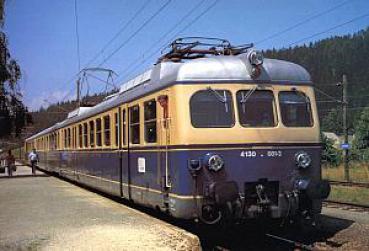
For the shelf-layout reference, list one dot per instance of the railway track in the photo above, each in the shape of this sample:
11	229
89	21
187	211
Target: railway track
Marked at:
349	183
346	206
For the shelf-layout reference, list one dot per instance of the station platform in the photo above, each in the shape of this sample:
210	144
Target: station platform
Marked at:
45	213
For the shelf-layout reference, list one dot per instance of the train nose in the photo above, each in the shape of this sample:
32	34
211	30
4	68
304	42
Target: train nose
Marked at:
315	189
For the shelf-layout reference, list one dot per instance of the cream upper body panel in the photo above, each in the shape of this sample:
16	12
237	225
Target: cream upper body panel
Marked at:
184	133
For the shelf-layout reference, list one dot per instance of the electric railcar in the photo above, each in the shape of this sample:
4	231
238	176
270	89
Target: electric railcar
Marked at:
207	133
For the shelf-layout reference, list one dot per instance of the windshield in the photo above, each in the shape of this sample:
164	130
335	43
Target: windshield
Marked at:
295	109
256	108
211	108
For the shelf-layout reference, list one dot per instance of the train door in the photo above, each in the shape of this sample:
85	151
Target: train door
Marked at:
164	154
125	168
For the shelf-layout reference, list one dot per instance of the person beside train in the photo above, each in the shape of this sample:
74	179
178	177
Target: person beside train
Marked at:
33	158
10	163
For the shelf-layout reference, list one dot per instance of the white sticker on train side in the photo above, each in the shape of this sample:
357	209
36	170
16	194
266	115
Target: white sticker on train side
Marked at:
141	165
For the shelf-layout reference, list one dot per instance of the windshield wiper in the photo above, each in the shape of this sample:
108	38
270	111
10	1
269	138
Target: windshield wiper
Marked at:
220	98
245	97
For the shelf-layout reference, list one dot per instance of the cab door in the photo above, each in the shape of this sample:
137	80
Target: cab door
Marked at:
163	143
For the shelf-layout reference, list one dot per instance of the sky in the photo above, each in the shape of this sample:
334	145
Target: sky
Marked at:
42	34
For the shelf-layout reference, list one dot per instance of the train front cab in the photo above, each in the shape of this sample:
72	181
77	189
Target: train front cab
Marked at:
242	151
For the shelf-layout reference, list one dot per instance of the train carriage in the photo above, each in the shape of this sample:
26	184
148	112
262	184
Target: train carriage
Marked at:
206	133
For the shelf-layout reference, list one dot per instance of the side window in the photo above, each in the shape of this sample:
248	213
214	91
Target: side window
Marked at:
98	132
85	135
69	138
75	137
256	108
134	114
150	121
80	136
212	109
57	141
107	130
295	109
92	133
124	126
72	138
116	129
65	136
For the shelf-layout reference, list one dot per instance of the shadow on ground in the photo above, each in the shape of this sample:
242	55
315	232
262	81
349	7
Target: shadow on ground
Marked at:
249	236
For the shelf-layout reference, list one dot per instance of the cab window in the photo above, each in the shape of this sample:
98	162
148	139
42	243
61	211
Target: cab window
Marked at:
256	108
295	109
212	109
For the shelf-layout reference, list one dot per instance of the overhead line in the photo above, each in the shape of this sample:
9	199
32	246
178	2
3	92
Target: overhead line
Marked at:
137	13
165	35
102	50
183	29
302	22
136	32
330	29
77	34
329	96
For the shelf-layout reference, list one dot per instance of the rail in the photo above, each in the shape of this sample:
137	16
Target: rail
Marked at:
347	205
349	183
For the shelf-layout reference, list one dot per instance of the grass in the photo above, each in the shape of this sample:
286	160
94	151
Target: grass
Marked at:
359	172
357	195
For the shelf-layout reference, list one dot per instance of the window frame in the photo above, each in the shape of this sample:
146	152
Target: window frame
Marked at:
85	135
150	121
98	139
91	133
274	108
231	103
106	132
80	136
134	124
309	108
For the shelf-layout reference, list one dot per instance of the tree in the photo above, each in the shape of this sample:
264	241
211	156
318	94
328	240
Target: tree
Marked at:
13	113
329	154
332	121
361	141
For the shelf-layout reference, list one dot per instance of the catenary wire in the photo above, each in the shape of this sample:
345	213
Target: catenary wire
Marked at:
152	17
137	60
330	29
121	30
103	49
302	22
182	30
77	34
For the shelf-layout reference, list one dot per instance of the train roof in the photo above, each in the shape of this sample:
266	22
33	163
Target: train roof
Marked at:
214	69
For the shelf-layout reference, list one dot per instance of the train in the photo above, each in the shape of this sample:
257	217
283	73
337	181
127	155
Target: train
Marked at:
211	132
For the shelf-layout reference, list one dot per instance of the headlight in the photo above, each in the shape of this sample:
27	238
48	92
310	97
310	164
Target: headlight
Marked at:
302	184
256	58
303	159
214	162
